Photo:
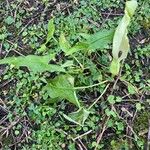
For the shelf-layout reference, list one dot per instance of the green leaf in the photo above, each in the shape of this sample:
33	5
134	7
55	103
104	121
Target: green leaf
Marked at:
100	39
62	87
120	126
138	106
120	40
42	48
79	117
110	113
3	36
95	41
78	47
68	63
33	63
132	89
85	35
110	123
51	30
115	67
118	99
17	132
9	20
111	99
64	44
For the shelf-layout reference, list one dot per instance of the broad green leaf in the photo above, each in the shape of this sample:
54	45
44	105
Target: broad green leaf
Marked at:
95	41
62	87
138	106
100	39
111	99
51	30
42	48
79	117
85	35
33	63
120	39
78	47
68	63
64	44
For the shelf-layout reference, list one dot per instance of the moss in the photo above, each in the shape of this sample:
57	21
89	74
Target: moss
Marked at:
6	140
119	145
141	123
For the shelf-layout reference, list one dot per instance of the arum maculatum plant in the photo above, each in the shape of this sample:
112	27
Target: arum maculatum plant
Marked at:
120	39
62	86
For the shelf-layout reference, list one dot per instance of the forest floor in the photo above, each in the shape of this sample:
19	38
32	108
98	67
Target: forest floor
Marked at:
114	112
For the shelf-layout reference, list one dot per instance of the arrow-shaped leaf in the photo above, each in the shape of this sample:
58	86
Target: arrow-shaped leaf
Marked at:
62	87
100	39
79	117
94	41
33	63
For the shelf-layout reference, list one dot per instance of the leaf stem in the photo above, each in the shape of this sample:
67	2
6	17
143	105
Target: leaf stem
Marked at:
99	97
90	86
78	88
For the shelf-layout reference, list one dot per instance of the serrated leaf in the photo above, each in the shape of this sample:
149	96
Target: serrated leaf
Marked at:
62	87
33	63
51	30
120	40
79	117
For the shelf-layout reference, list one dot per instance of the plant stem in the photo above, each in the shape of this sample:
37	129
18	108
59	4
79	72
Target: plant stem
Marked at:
90	86
99	97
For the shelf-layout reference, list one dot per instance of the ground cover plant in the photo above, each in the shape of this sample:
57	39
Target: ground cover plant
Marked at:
74	74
